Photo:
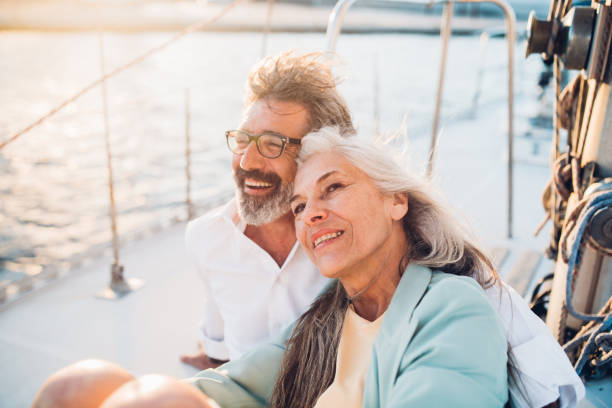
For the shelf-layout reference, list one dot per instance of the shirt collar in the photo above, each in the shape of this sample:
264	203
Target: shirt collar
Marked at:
230	214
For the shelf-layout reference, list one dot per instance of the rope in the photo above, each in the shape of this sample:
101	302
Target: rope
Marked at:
596	335
188	157
188	30
589	207
556	116
109	157
596	340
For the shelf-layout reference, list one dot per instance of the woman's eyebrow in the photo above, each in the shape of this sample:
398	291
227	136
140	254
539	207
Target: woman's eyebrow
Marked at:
319	180
326	175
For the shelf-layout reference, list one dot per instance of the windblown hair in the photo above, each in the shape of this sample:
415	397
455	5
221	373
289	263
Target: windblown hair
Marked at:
305	79
435	238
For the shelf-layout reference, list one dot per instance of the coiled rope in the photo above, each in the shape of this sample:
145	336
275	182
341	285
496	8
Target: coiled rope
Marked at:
595	336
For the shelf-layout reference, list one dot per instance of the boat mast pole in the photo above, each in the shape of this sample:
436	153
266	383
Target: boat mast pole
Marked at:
445	32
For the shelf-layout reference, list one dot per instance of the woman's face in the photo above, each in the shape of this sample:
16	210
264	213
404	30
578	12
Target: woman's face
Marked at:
341	219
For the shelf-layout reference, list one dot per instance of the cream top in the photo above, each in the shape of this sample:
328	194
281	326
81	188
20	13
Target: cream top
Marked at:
352	362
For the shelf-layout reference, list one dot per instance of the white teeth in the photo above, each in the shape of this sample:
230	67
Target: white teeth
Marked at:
327	237
257	184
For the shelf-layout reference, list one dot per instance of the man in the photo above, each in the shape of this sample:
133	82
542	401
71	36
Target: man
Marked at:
257	277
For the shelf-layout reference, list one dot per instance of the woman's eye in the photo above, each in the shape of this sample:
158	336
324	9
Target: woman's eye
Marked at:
333	187
298	209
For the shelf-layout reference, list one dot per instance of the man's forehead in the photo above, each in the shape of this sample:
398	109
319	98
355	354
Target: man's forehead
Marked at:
288	118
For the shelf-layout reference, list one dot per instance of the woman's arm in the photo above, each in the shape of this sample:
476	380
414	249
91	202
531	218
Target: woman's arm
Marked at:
247	381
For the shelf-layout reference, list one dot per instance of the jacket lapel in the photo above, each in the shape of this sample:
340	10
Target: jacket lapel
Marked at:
395	333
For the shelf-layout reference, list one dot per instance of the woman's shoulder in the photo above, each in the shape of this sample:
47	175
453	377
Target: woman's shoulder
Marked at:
462	288
452	337
430	293
455	298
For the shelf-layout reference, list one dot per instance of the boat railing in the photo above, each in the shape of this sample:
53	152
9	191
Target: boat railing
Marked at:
334	27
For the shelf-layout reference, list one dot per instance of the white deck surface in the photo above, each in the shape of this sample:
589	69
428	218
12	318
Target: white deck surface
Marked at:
63	322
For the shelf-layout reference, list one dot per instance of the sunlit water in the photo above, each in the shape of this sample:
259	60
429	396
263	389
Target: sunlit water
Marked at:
54	185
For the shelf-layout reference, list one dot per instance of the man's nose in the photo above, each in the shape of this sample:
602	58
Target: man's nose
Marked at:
251	159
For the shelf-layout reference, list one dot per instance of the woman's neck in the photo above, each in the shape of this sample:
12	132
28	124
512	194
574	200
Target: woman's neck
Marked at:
371	287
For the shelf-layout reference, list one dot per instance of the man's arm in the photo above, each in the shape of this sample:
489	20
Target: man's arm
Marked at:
212	351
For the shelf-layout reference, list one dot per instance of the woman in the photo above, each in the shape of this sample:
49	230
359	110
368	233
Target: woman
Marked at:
405	323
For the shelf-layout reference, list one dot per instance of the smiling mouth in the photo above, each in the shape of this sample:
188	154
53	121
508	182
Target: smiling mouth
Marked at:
324	238
257	185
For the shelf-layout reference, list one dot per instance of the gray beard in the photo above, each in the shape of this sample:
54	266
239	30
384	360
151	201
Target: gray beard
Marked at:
256	210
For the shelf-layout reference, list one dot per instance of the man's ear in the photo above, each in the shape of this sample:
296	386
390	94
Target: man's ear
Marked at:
399	206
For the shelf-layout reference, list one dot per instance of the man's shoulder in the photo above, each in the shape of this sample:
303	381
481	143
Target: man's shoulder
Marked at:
212	222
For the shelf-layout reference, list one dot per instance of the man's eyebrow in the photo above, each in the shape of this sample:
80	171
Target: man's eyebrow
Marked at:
319	180
271	132
266	131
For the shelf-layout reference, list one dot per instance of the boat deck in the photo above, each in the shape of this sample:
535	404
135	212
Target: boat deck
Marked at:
147	330
64	322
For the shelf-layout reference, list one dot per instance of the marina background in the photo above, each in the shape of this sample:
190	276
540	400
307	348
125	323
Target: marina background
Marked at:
54	193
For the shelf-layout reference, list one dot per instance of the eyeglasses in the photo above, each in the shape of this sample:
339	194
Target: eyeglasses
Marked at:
269	145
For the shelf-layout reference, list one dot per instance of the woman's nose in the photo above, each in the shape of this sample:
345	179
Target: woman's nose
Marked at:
251	159
315	213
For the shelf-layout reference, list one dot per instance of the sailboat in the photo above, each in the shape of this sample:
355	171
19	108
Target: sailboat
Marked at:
54	319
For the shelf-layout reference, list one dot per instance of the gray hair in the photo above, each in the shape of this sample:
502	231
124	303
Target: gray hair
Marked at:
306	79
438	239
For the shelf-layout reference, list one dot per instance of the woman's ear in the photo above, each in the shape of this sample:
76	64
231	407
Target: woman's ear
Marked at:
399	206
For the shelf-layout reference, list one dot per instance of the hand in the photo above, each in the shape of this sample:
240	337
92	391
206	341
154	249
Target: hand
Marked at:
200	360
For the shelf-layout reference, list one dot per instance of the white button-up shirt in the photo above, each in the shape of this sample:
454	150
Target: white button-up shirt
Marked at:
249	298
544	371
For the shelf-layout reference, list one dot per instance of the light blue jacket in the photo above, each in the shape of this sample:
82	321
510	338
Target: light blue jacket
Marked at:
440	345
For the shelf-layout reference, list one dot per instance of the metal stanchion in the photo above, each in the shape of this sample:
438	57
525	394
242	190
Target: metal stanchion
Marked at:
118	286
445	32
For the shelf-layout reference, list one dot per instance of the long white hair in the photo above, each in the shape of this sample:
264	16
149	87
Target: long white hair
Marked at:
437	238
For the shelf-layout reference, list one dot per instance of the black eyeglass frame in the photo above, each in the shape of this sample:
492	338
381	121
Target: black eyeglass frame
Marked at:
255	138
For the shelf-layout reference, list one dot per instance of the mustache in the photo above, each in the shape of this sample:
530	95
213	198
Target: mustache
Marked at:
240	175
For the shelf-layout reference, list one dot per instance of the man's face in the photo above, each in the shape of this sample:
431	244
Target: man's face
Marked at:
263	186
